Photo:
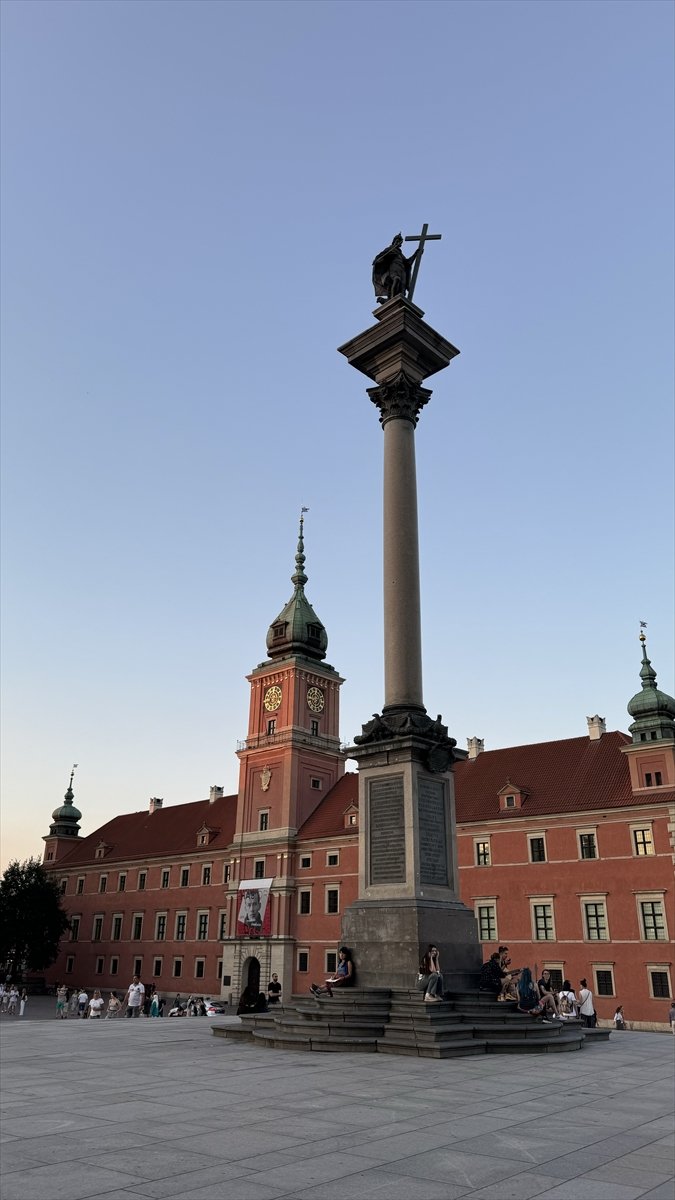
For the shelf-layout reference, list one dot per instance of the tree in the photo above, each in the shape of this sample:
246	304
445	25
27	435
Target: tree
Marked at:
32	918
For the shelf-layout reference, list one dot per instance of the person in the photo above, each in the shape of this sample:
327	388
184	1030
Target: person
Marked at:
96	1006
567	1001
114	1006
529	1000
343	977
545	987
586	1009
73	1004
82	1002
61	1002
13	1000
154	1005
178	1003
160	1005
274	990
147	1000
619	1019
671	1016
251	1001
3	994
134	997
509	990
23	1002
430	977
492	975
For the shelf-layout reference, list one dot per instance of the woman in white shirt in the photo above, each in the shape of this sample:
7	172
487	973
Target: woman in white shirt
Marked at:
567	1001
96	1005
586	1009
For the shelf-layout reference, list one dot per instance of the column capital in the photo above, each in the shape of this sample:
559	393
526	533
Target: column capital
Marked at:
399	399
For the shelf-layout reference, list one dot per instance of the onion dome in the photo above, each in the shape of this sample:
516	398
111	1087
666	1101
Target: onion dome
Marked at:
65	818
297	629
653	710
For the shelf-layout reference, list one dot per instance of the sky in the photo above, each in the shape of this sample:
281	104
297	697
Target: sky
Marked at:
192	196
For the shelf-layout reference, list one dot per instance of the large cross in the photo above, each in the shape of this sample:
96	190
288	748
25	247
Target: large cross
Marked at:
422	237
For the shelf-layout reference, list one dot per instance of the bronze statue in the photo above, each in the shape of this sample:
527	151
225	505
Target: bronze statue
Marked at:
393	273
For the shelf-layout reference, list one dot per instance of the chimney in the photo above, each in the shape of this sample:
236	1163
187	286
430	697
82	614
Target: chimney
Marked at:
215	793
596	727
155	803
476	746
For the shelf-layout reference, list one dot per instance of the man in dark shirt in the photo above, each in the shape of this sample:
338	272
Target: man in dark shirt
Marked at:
274	990
491	975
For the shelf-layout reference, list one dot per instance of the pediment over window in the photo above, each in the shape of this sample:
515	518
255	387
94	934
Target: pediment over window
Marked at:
351	817
101	850
511	797
204	835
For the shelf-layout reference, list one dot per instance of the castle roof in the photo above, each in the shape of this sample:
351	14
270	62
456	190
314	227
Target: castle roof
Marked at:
329	818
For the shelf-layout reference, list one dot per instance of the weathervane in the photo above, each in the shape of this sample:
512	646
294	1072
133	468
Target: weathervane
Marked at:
393	273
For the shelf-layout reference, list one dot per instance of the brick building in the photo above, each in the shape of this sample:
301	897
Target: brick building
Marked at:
565	851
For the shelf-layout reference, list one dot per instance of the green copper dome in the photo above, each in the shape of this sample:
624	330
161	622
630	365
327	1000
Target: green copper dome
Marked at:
297	629
65	818
652	709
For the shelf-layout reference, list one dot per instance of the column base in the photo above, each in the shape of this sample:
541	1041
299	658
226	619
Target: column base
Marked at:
388	938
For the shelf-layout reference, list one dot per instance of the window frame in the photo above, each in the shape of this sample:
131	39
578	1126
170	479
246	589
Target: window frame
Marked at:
222	924
302	893
599	900
160	929
259	868
642	827
114	967
536	837
158	958
165	878
332	889
659	969
333	854
102	884
142	882
97	927
263	820
115	932
488	903
207	874
200	962
137	923
301	953
330	961
542	902
605	968
74	930
305	863
591	831
180	926
482	852
99	964
70	964
202	924
185	876
79	887
122	881
653	897
177	967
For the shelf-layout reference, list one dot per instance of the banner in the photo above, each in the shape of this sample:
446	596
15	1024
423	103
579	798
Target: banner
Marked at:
254	911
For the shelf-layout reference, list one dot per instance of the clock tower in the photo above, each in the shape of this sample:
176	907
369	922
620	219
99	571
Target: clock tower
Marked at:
292	755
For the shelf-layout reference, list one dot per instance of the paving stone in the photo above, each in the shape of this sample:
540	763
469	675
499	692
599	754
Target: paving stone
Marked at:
63	1181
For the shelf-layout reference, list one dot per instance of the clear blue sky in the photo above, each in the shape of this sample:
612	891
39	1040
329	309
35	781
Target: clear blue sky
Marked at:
192	194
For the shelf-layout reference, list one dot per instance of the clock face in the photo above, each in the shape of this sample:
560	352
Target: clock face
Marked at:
272	698
315	699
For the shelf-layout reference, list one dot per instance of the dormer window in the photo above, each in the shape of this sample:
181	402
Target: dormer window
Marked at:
279	631
351	818
509	802
204	835
101	850
314	633
511	797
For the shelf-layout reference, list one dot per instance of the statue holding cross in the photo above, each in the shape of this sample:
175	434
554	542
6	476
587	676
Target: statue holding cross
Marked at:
393	273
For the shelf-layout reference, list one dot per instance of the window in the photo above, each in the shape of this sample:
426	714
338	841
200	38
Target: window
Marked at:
116	931
352	819
97	930
259	868
160	927
658	779
137	929
206	875
537	849
587	845
181	919
74	929
333	859
70	960
98	969
142	877
595	921
185	877
279	630
542	922
202	926
659	983
80	885
50	855
332	900
314	728
222	926
642	840
219	968
487	922
264	819
509	802
331	962
103	883
604	981
64	885
199	968
303	961
156	967
165	878
138	967
652	921
305	902
315	783
177	968
482	854
305	861
272	726
226	872
114	965
122	882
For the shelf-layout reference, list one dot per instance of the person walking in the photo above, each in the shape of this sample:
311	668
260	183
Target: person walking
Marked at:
619	1019
61	1002
134	997
114	1006
586	1008
13	1000
73	1004
82	1002
96	1006
23	1000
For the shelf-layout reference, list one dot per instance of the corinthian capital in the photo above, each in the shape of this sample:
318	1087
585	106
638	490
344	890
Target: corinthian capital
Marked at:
400	399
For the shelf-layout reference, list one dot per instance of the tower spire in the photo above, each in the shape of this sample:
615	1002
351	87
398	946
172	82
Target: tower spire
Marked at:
299	577
653	710
297	629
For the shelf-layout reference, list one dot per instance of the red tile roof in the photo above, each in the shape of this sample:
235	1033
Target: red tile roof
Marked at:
167	831
329	818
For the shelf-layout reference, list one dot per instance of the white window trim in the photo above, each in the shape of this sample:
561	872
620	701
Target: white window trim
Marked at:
655	897
199	959
162	872
102	891
594	898
177	958
486	902
539	900
601	966
263	812
116	917
134	917
664	969
97	917
540	836
207	867
305	866
202	912
640	826
222	924
301	950
164	914
302	891
334	953
157	958
485	840
588	830
331	887
328	856
180	913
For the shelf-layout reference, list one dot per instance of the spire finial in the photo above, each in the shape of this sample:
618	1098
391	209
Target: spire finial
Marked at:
69	794
299	578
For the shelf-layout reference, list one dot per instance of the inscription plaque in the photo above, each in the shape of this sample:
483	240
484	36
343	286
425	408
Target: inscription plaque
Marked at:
433	832
387	830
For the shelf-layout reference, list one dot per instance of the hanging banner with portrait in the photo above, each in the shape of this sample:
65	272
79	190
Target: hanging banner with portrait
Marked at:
254	910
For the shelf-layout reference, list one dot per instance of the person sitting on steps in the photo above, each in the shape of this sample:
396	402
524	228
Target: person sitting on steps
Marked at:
430	977
530	1002
343	977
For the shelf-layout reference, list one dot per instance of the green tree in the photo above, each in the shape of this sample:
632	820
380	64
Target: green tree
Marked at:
32	919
